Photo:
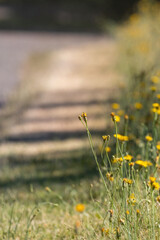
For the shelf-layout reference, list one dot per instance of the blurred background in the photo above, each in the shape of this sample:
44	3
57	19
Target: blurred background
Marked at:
57	59
61	15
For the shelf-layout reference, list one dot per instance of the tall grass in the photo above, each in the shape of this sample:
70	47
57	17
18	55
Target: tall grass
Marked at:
130	171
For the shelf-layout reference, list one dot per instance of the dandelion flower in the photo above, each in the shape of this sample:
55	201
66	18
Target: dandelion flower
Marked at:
128	157
127	212
110	177
158	147
143	163
155	79
117	118
152	179
138	212
107	149
80	207
116	160
126	180
131	164
154	110
155	105
115	106
155	185
138	106
121	137
104	138
149	138
153	88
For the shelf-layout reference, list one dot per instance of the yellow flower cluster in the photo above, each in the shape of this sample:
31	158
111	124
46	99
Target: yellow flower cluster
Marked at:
143	163
110	176
156	108
149	138
121	137
126	180
153	184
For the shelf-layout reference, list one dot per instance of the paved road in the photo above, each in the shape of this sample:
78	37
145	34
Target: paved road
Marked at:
16	47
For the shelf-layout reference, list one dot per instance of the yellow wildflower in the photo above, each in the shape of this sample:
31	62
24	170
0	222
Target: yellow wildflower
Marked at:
143	163
80	207
84	116
126	117
110	176
108	149
152	179
131	164
155	185
154	110
138	212
149	138
154	79
128	157
115	106
138	105
117	118
153	88
116	160
121	137
126	180
158	147
155	105
112	116
104	137
127	212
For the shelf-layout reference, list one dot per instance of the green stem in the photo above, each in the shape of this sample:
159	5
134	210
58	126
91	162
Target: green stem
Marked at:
95	156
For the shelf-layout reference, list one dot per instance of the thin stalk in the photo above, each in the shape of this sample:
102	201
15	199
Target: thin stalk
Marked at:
95	156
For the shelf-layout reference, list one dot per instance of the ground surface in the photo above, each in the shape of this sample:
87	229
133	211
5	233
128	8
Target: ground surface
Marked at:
63	75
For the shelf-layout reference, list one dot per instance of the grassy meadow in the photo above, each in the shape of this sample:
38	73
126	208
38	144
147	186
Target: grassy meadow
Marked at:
112	192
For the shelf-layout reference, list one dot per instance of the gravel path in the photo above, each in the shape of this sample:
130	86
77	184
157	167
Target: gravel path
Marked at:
16	48
80	76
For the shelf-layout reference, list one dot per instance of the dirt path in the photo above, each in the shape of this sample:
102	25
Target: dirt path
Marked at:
76	79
